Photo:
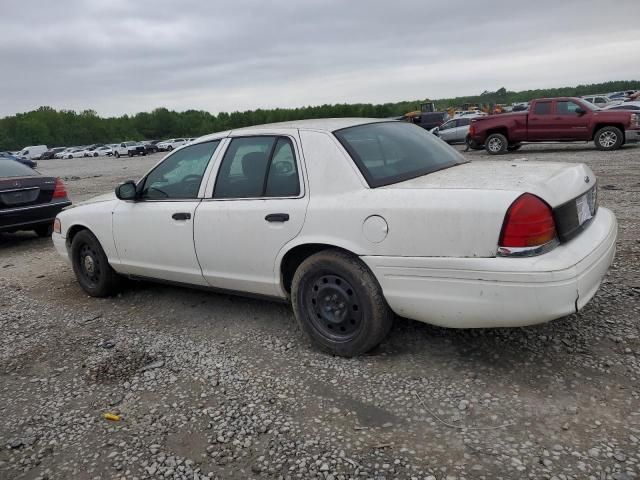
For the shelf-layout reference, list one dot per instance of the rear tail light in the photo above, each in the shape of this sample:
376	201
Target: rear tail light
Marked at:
60	191
528	228
472	128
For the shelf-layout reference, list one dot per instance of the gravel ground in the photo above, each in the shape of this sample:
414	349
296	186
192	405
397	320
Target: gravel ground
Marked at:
215	386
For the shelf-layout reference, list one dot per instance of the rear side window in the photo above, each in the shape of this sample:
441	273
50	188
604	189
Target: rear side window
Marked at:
391	152
13	168
564	107
258	167
542	108
463	122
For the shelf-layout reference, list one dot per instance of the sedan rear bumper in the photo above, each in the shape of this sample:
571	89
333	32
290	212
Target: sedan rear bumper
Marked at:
23	218
500	292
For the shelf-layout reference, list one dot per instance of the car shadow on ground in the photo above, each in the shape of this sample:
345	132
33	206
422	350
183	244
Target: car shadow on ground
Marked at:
25	238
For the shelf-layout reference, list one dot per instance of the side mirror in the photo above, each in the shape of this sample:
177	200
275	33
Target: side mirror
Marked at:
580	111
127	190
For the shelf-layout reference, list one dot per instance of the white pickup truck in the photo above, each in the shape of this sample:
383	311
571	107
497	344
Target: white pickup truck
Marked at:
128	148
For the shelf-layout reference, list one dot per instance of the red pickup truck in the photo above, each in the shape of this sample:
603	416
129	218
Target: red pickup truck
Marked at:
563	119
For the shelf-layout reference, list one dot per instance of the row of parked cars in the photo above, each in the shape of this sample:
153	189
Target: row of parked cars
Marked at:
29	154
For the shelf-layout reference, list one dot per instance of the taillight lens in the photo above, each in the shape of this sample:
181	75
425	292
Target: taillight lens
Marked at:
472	128
527	225
60	191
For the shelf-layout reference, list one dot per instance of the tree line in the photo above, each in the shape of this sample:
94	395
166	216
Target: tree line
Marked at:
66	127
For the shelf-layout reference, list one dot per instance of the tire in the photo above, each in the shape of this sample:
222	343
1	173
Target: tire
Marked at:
90	264
130	153
496	144
95	154
471	144
339	305
513	148
44	231
169	148
117	155
608	138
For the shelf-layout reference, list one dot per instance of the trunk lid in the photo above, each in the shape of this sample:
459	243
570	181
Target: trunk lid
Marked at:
18	192
555	183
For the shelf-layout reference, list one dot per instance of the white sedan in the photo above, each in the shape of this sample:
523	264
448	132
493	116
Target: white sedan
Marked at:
352	220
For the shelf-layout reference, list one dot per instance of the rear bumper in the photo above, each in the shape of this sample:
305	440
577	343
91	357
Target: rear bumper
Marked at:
23	218
632	136
500	292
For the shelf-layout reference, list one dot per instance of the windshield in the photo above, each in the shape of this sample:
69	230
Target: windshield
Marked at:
391	152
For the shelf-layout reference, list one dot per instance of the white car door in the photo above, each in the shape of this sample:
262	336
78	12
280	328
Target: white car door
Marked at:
257	204
154	234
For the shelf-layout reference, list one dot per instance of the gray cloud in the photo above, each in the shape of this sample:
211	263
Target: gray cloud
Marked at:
123	56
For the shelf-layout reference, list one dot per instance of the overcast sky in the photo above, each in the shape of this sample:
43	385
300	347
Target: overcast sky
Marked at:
126	56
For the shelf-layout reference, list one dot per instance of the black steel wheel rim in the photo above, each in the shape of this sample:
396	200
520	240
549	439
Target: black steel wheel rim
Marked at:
333	307
89	264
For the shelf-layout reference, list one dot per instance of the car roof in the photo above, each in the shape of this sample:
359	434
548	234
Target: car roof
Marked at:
317	124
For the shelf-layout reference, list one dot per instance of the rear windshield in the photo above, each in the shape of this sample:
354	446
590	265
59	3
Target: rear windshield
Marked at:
13	168
391	152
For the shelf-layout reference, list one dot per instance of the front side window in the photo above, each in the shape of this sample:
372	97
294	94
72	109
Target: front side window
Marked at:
179	175
542	108
566	107
258	167
391	152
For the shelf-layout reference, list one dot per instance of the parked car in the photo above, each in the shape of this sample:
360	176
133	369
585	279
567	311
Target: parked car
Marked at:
352	220
151	146
22	160
455	130
64	152
168	145
563	119
102	151
33	152
129	148
50	153
29	200
624	106
598	100
75	153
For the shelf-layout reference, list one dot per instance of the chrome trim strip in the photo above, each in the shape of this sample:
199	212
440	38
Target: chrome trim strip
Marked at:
527	251
18	190
40	205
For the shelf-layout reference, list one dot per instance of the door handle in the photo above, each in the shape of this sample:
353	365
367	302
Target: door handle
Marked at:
277	217
181	216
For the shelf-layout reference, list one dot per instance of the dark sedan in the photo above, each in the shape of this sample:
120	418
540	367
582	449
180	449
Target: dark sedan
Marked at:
29	200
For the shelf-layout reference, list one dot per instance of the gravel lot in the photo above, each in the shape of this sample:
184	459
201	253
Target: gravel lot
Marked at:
215	386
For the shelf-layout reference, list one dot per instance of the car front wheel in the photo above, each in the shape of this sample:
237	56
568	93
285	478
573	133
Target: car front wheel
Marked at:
339	304
608	138
117	155
90	264
496	144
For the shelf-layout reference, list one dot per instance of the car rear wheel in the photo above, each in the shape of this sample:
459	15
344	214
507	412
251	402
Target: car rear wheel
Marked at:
169	148
608	138
130	153
339	304
44	230
90	264
496	144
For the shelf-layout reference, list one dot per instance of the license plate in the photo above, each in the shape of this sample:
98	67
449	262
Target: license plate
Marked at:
585	205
